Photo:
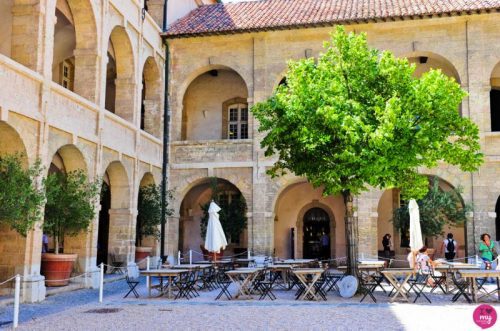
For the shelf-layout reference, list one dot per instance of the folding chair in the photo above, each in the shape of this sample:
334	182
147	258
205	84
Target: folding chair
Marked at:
461	285
223	282
367	285
439	280
320	285
418	284
132	284
116	266
265	285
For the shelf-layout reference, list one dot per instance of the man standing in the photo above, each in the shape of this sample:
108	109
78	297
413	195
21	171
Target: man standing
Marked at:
325	246
450	247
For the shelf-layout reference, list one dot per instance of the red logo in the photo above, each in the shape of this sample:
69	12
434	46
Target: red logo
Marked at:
485	316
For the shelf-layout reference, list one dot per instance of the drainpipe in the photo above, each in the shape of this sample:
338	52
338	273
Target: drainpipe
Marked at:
166	122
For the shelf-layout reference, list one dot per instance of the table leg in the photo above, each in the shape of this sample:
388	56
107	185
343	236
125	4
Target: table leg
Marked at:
474	289
149	285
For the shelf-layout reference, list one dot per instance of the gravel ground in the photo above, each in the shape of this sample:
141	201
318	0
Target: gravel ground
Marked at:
73	311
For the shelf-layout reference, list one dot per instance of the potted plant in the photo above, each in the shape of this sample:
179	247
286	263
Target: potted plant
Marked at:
20	199
149	218
69	209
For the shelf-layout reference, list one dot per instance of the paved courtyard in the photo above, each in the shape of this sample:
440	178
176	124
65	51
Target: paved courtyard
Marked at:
79	310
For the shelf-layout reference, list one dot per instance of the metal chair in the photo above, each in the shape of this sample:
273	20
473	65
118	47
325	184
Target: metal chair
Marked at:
223	281
461	286
116	265
418	284
132	284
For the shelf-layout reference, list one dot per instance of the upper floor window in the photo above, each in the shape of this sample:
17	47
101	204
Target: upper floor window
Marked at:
66	74
237	121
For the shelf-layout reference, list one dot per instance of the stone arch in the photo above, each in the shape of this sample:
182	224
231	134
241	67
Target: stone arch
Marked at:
291	203
495	99
203	99
151	98
300	225
390	200
120	76
146	180
429	60
120	239
190	214
69	158
12	245
75	58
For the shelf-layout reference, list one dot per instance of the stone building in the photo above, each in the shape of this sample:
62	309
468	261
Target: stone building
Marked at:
225	58
82	87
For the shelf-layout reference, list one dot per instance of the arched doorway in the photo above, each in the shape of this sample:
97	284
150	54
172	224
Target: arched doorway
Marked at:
316	232
103	233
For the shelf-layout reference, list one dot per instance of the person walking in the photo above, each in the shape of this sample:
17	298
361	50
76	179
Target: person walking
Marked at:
450	247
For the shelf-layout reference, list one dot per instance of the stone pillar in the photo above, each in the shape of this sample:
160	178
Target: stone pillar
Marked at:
86	74
125	98
155	9
27	33
152	117
367	205
33	285
120	242
172	236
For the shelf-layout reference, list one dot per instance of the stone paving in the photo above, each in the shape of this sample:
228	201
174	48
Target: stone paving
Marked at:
77	311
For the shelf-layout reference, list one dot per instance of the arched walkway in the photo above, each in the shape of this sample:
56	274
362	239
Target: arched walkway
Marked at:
115	217
120	79
69	158
390	201
294	236
217	99
148	241
12	244
151	98
191	214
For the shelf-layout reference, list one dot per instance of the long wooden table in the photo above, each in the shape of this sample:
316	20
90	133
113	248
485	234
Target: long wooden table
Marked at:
474	275
161	273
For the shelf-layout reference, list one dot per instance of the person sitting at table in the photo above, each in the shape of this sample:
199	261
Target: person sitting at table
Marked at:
486	249
424	264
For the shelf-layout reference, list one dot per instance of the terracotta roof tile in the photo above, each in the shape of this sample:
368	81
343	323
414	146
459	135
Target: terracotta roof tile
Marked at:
282	14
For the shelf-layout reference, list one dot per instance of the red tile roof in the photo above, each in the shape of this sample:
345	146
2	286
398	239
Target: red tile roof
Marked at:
285	14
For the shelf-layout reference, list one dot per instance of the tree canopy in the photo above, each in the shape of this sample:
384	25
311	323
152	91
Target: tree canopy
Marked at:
149	211
357	117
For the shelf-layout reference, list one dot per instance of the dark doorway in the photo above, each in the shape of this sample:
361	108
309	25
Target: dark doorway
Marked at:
495	110
497	220
103	231
316	244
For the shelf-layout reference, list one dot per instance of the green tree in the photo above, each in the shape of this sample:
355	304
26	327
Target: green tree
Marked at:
20	199
437	209
149	211
70	207
359	118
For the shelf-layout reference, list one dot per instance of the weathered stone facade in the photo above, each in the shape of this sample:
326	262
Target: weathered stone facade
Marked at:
70	128
464	47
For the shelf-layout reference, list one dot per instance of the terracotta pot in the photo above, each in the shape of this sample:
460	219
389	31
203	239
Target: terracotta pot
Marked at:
57	268
140	254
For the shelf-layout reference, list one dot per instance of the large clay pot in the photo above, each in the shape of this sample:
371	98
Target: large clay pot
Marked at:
57	268
140	254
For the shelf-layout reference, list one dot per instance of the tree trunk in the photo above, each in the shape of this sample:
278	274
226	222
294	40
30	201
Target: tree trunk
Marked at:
56	240
351	234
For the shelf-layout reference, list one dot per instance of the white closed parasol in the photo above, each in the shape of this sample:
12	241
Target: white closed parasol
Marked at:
215	239
416	241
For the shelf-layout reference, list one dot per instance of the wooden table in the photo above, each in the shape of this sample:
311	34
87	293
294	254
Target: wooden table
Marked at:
243	278
295	262
160	273
399	286
191	266
245	261
214	262
450	267
302	275
474	275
